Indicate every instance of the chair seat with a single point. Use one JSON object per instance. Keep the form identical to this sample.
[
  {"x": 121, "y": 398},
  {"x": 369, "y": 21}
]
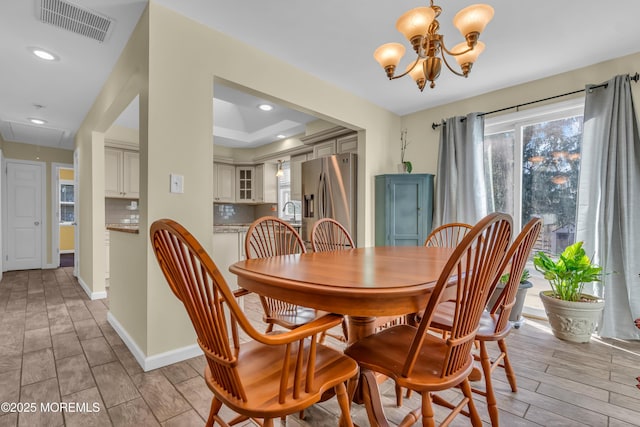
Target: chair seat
[
  {"x": 486, "y": 330},
  {"x": 291, "y": 319},
  {"x": 260, "y": 367},
  {"x": 386, "y": 352}
]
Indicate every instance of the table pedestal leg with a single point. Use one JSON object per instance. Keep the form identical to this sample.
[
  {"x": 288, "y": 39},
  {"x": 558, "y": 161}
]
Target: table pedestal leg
[
  {"x": 367, "y": 391},
  {"x": 360, "y": 327}
]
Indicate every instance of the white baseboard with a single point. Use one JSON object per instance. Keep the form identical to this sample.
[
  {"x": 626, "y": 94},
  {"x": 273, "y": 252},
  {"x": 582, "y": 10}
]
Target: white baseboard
[
  {"x": 92, "y": 295},
  {"x": 157, "y": 360}
]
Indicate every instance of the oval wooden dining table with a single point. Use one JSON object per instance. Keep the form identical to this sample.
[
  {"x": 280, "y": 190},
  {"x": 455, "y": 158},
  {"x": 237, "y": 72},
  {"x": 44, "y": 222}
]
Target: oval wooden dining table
[{"x": 362, "y": 283}]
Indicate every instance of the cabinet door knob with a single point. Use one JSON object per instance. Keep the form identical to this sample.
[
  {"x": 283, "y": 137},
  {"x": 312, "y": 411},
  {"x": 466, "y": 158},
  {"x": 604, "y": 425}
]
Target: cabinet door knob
[{"x": 36, "y": 223}]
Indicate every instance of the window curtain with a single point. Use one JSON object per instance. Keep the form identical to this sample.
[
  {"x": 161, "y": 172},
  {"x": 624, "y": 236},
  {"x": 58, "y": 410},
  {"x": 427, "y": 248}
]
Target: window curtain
[
  {"x": 608, "y": 218},
  {"x": 461, "y": 194}
]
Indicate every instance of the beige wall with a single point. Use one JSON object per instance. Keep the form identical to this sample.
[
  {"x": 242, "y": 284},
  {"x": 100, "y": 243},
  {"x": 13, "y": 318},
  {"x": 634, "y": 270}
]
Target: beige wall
[
  {"x": 128, "y": 79},
  {"x": 423, "y": 148},
  {"x": 180, "y": 123},
  {"x": 177, "y": 139},
  {"x": 37, "y": 153}
]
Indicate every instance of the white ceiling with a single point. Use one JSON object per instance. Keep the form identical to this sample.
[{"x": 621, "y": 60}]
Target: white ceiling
[{"x": 331, "y": 39}]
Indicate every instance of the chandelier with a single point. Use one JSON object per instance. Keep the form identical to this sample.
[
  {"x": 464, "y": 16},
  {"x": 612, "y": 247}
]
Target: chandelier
[{"x": 420, "y": 26}]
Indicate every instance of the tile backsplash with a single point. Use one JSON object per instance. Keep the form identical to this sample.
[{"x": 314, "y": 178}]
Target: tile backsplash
[
  {"x": 121, "y": 211},
  {"x": 239, "y": 213}
]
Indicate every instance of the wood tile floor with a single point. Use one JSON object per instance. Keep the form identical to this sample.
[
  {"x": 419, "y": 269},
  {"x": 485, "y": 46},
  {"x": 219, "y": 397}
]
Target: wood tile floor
[{"x": 57, "y": 347}]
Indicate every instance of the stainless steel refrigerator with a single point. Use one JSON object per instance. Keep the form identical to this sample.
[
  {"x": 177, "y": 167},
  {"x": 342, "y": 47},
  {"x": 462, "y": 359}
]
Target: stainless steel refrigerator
[{"x": 329, "y": 190}]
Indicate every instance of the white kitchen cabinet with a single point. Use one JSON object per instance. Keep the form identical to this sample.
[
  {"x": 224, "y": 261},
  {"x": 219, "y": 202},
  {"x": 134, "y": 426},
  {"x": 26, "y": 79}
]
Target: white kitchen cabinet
[
  {"x": 121, "y": 173},
  {"x": 296, "y": 174},
  {"x": 347, "y": 144},
  {"x": 323, "y": 149},
  {"x": 245, "y": 183},
  {"x": 266, "y": 183},
  {"x": 256, "y": 184},
  {"x": 224, "y": 188},
  {"x": 228, "y": 248}
]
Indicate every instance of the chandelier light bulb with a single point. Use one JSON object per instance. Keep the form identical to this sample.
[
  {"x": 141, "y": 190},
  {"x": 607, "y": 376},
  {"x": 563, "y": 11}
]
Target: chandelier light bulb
[
  {"x": 473, "y": 19},
  {"x": 415, "y": 22}
]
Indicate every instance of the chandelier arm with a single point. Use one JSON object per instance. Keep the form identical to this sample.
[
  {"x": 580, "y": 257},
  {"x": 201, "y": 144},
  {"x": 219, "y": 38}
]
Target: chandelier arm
[
  {"x": 408, "y": 70},
  {"x": 444, "y": 48},
  {"x": 444, "y": 59}
]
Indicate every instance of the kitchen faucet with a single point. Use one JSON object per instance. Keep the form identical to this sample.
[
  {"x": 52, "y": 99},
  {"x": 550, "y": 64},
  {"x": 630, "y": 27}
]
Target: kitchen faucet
[{"x": 284, "y": 209}]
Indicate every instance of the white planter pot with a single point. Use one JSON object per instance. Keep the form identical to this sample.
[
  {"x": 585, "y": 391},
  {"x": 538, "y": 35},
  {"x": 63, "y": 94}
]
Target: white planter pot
[{"x": 572, "y": 321}]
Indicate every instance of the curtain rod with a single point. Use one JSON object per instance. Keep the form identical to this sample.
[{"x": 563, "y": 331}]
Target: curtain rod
[{"x": 634, "y": 78}]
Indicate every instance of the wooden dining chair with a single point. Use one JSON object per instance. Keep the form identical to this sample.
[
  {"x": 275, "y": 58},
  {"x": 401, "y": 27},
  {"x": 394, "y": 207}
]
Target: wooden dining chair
[
  {"x": 448, "y": 235},
  {"x": 268, "y": 377},
  {"x": 494, "y": 322},
  {"x": 426, "y": 363},
  {"x": 270, "y": 236},
  {"x": 328, "y": 234}
]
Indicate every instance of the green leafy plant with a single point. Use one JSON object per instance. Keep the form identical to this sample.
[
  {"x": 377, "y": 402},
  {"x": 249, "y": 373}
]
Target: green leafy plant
[
  {"x": 523, "y": 278},
  {"x": 569, "y": 273}
]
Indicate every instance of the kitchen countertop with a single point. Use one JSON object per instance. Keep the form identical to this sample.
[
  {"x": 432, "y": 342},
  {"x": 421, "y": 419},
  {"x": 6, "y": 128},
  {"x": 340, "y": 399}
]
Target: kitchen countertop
[
  {"x": 124, "y": 228},
  {"x": 230, "y": 228},
  {"x": 242, "y": 228}
]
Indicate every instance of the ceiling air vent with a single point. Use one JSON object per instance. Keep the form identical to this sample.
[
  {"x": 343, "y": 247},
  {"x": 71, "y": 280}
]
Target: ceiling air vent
[{"x": 73, "y": 18}]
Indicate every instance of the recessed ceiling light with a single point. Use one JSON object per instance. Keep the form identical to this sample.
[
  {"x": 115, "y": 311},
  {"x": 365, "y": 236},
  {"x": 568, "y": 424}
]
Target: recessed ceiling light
[
  {"x": 265, "y": 107},
  {"x": 280, "y": 136},
  {"x": 43, "y": 54},
  {"x": 37, "y": 121}
]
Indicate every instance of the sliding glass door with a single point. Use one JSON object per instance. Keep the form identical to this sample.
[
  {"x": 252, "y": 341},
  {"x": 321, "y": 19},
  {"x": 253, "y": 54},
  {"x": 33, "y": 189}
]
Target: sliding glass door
[{"x": 532, "y": 163}]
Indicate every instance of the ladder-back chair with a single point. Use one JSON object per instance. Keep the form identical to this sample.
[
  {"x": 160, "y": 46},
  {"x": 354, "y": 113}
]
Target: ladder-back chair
[
  {"x": 268, "y": 377},
  {"x": 270, "y": 236},
  {"x": 426, "y": 363},
  {"x": 329, "y": 235},
  {"x": 448, "y": 235},
  {"x": 494, "y": 322}
]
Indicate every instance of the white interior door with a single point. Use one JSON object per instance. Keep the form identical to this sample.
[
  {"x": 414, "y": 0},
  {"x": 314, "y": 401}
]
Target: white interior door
[{"x": 24, "y": 215}]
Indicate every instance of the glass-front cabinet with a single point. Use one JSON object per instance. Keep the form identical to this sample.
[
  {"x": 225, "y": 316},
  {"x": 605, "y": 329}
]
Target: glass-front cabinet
[{"x": 245, "y": 184}]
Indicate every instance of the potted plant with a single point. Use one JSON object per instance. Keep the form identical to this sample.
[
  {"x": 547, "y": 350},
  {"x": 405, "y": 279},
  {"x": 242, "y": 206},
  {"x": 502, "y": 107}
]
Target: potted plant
[
  {"x": 405, "y": 166},
  {"x": 521, "y": 294},
  {"x": 573, "y": 315}
]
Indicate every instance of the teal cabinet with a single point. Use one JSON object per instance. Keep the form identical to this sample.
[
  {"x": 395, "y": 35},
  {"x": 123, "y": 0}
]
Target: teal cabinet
[{"x": 403, "y": 209}]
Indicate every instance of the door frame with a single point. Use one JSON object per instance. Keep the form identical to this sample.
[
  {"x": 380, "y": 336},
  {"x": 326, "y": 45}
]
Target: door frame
[
  {"x": 2, "y": 215},
  {"x": 55, "y": 205},
  {"x": 43, "y": 207},
  {"x": 76, "y": 199}
]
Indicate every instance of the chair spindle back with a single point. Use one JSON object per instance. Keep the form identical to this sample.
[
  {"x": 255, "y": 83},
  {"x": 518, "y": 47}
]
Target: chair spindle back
[
  {"x": 472, "y": 267},
  {"x": 329, "y": 235}
]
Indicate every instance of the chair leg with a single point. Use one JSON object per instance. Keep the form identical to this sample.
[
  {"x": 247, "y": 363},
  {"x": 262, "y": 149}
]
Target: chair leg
[
  {"x": 492, "y": 405},
  {"x": 343, "y": 401},
  {"x": 268, "y": 422},
  {"x": 345, "y": 330},
  {"x": 398, "y": 396},
  {"x": 511, "y": 375},
  {"x": 473, "y": 412},
  {"x": 322, "y": 337},
  {"x": 215, "y": 407},
  {"x": 427, "y": 410},
  {"x": 269, "y": 328}
]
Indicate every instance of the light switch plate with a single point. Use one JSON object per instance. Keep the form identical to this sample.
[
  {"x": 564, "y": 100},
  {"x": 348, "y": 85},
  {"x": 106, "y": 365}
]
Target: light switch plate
[{"x": 177, "y": 183}]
